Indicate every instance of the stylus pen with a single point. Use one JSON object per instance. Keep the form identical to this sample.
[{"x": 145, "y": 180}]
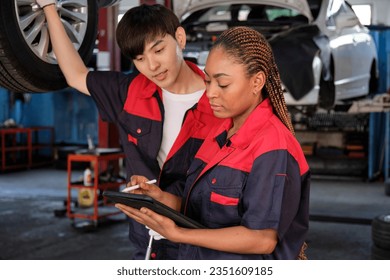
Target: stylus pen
[
  {"x": 129, "y": 189},
  {"x": 149, "y": 249}
]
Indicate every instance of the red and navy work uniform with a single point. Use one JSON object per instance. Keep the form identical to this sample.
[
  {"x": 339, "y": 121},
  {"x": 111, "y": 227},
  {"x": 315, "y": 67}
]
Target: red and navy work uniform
[
  {"x": 135, "y": 105},
  {"x": 259, "y": 178}
]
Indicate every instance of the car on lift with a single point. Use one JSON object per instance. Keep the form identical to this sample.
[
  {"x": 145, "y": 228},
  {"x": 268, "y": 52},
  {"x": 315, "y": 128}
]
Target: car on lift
[
  {"x": 324, "y": 54},
  {"x": 27, "y": 61}
]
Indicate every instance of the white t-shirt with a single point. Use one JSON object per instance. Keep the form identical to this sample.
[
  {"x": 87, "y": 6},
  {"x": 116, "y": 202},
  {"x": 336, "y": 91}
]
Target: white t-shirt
[{"x": 175, "y": 107}]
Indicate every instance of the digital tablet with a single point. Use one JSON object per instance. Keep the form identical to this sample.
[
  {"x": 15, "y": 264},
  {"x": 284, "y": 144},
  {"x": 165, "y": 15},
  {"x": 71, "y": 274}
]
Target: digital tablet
[{"x": 139, "y": 200}]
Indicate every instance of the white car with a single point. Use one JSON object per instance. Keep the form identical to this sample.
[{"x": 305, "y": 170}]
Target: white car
[{"x": 324, "y": 54}]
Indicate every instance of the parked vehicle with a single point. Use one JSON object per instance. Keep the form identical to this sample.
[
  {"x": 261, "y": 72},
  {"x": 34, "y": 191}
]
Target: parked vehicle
[
  {"x": 324, "y": 54},
  {"x": 27, "y": 62}
]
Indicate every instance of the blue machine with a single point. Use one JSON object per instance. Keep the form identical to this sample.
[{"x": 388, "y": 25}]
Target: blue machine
[{"x": 379, "y": 127}]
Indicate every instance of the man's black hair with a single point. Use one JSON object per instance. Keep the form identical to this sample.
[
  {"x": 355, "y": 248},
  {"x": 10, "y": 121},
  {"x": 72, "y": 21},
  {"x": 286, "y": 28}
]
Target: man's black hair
[{"x": 141, "y": 25}]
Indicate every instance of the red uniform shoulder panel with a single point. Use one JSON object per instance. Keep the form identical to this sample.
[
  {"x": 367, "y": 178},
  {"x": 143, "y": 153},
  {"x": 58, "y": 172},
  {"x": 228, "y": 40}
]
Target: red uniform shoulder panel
[{"x": 140, "y": 101}]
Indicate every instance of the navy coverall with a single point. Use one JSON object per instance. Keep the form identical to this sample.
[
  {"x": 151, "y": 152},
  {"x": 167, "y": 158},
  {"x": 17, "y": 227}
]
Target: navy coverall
[{"x": 259, "y": 178}]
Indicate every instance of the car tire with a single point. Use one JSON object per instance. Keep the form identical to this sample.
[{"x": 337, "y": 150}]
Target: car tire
[
  {"x": 379, "y": 253},
  {"x": 374, "y": 79},
  {"x": 327, "y": 94},
  {"x": 387, "y": 189},
  {"x": 380, "y": 231},
  {"x": 24, "y": 65}
]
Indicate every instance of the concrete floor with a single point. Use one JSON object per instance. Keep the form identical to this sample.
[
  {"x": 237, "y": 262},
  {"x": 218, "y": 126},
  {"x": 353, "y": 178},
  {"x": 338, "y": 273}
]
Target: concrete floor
[{"x": 341, "y": 212}]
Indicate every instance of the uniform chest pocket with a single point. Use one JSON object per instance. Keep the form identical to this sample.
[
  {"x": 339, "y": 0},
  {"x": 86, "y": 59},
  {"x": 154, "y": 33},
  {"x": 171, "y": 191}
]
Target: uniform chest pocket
[
  {"x": 136, "y": 127},
  {"x": 225, "y": 185},
  {"x": 223, "y": 208}
]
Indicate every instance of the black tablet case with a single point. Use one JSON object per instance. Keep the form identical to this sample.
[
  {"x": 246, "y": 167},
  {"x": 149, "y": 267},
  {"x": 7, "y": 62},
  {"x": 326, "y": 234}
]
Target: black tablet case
[{"x": 139, "y": 200}]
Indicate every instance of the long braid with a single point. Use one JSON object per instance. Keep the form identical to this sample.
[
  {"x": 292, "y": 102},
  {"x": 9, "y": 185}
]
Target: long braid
[{"x": 251, "y": 49}]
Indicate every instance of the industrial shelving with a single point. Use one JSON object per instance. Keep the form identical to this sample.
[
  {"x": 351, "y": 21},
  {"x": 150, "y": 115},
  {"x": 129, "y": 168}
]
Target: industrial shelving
[{"x": 26, "y": 147}]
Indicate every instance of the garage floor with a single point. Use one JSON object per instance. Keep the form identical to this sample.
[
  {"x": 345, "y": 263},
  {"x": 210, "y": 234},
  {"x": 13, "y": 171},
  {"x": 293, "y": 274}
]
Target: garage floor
[{"x": 341, "y": 213}]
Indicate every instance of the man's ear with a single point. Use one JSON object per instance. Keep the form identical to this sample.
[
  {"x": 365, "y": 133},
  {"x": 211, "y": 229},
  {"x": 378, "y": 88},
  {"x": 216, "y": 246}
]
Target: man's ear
[{"x": 180, "y": 36}]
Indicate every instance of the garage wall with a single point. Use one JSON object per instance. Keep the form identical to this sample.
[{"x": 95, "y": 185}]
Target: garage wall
[
  {"x": 75, "y": 116},
  {"x": 380, "y": 10},
  {"x": 72, "y": 114}
]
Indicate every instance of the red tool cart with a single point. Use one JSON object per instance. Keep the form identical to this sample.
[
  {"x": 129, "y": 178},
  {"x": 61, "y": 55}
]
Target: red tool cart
[{"x": 94, "y": 207}]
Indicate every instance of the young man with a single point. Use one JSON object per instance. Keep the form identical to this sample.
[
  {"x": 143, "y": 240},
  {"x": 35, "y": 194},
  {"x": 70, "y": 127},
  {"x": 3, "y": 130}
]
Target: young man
[{"x": 162, "y": 114}]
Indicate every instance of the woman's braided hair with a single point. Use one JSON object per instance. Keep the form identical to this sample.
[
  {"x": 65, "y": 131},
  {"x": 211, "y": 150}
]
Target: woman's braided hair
[{"x": 250, "y": 48}]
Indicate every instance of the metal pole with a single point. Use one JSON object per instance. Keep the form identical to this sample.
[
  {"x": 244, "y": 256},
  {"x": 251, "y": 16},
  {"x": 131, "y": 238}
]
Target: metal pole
[{"x": 149, "y": 249}]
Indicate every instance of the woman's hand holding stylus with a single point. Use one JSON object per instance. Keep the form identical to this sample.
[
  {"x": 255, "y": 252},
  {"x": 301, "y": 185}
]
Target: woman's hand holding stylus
[
  {"x": 147, "y": 187},
  {"x": 142, "y": 185}
]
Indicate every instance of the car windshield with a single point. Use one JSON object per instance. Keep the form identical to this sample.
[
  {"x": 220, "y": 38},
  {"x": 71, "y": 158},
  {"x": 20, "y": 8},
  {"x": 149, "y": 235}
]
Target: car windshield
[
  {"x": 206, "y": 23},
  {"x": 241, "y": 13}
]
